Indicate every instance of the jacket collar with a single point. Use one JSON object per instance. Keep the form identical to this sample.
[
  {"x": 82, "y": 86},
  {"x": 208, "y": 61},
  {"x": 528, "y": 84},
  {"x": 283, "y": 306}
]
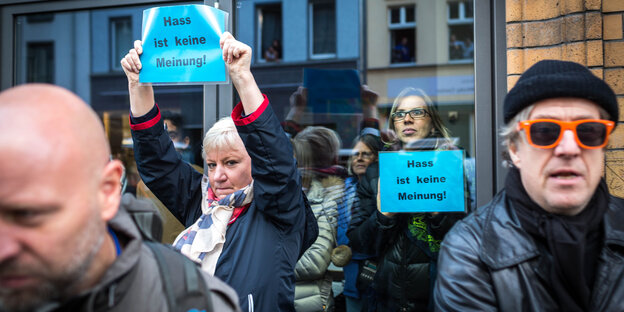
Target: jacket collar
[{"x": 506, "y": 243}]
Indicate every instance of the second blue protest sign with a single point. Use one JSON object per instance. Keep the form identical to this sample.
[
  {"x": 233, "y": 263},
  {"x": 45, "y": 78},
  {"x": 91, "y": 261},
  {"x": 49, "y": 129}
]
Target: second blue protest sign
[
  {"x": 181, "y": 45},
  {"x": 422, "y": 181}
]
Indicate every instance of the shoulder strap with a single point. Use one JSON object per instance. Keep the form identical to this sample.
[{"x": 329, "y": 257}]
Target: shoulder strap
[
  {"x": 145, "y": 216},
  {"x": 183, "y": 291}
]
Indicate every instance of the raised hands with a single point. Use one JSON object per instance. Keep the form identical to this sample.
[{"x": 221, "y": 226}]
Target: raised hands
[
  {"x": 131, "y": 63},
  {"x": 237, "y": 56},
  {"x": 141, "y": 97}
]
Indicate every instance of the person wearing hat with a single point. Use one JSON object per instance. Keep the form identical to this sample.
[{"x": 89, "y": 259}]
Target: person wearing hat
[{"x": 553, "y": 238}]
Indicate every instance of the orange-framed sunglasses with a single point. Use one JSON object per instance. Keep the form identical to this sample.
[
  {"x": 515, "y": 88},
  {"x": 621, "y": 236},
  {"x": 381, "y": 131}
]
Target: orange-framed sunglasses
[{"x": 547, "y": 133}]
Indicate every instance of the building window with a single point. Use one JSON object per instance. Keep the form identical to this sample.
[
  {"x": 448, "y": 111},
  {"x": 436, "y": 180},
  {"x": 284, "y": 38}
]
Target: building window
[
  {"x": 461, "y": 31},
  {"x": 322, "y": 29},
  {"x": 121, "y": 38},
  {"x": 270, "y": 32},
  {"x": 40, "y": 62},
  {"x": 402, "y": 25}
]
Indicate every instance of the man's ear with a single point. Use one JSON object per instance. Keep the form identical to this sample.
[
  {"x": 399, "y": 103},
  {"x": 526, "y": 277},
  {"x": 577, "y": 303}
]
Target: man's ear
[
  {"x": 513, "y": 154},
  {"x": 110, "y": 189}
]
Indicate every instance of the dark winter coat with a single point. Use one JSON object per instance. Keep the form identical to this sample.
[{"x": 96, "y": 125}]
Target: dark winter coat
[
  {"x": 263, "y": 245},
  {"x": 406, "y": 246},
  {"x": 488, "y": 262}
]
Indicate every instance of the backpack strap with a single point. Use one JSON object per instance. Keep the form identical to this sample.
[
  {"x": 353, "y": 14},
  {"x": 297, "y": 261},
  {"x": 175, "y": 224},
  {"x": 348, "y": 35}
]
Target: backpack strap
[
  {"x": 145, "y": 216},
  {"x": 183, "y": 291}
]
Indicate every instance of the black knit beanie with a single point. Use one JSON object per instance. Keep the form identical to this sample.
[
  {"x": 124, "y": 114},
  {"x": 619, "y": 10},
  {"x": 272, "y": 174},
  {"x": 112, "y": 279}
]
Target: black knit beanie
[{"x": 553, "y": 79}]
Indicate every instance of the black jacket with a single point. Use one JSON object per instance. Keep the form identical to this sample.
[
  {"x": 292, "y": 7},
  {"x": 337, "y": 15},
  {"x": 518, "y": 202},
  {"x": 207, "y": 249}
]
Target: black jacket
[
  {"x": 489, "y": 263},
  {"x": 406, "y": 265}
]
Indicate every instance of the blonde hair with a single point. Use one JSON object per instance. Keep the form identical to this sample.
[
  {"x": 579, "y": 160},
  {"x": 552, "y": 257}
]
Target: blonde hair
[{"x": 222, "y": 134}]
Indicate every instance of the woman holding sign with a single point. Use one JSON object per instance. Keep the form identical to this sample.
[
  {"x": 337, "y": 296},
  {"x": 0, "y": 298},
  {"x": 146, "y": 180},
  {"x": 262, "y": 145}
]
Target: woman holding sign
[
  {"x": 247, "y": 220},
  {"x": 406, "y": 244}
]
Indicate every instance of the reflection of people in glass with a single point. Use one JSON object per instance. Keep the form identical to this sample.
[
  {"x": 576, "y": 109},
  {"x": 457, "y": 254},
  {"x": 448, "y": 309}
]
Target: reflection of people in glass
[
  {"x": 406, "y": 244},
  {"x": 469, "y": 48},
  {"x": 366, "y": 147},
  {"x": 316, "y": 149},
  {"x": 274, "y": 52},
  {"x": 175, "y": 127},
  {"x": 456, "y": 48},
  {"x": 416, "y": 122},
  {"x": 364, "y": 154},
  {"x": 401, "y": 51}
]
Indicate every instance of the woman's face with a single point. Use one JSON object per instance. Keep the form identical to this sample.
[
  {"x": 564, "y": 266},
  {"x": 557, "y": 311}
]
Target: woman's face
[
  {"x": 229, "y": 169},
  {"x": 411, "y": 129},
  {"x": 362, "y": 157}
]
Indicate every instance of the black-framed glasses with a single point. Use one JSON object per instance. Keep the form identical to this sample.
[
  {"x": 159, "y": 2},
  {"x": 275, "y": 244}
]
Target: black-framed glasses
[
  {"x": 417, "y": 113},
  {"x": 364, "y": 155}
]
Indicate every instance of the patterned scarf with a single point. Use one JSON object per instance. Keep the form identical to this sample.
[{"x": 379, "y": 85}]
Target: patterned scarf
[{"x": 203, "y": 241}]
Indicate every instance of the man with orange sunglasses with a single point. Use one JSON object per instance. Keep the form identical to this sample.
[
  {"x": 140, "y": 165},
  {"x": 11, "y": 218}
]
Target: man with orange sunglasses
[{"x": 553, "y": 239}]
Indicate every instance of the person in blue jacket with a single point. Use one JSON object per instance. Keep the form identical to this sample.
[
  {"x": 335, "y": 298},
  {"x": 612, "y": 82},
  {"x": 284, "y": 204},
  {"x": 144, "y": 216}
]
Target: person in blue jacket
[{"x": 247, "y": 219}]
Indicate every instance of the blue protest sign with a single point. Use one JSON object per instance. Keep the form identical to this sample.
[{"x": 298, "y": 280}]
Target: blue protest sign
[
  {"x": 422, "y": 181},
  {"x": 335, "y": 91},
  {"x": 181, "y": 45}
]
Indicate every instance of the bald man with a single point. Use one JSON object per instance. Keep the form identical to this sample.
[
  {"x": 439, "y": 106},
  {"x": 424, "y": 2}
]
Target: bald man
[{"x": 66, "y": 241}]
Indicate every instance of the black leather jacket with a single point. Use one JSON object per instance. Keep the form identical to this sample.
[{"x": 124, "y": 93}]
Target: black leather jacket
[{"x": 488, "y": 263}]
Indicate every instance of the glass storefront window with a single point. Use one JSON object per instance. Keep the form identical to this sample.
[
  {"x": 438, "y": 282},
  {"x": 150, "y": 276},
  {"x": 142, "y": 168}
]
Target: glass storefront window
[{"x": 322, "y": 64}]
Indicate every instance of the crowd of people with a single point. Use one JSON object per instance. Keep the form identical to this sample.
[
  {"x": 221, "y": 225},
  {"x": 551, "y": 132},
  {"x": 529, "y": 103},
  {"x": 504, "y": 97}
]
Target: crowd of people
[{"x": 276, "y": 211}]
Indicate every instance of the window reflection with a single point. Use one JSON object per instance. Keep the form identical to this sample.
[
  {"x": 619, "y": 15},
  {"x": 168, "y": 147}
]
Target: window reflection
[
  {"x": 40, "y": 58},
  {"x": 121, "y": 34},
  {"x": 270, "y": 32},
  {"x": 460, "y": 21},
  {"x": 322, "y": 29},
  {"x": 403, "y": 34},
  {"x": 423, "y": 44}
]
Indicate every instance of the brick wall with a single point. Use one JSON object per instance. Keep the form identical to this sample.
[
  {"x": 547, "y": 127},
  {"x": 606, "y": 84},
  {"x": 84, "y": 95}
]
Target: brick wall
[{"x": 589, "y": 32}]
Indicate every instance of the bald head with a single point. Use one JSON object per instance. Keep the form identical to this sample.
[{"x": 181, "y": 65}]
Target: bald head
[
  {"x": 58, "y": 192},
  {"x": 50, "y": 124}
]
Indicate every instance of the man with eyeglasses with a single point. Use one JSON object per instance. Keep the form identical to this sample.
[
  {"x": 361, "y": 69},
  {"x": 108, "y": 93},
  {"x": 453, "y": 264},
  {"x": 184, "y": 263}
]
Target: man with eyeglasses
[{"x": 553, "y": 239}]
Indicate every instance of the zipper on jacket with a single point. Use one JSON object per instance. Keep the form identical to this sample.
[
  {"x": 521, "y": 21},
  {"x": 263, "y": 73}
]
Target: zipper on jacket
[{"x": 250, "y": 303}]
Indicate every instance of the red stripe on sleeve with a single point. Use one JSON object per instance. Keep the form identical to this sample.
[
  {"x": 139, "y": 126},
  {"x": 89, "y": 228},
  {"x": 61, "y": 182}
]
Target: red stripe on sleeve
[
  {"x": 237, "y": 113},
  {"x": 147, "y": 124}
]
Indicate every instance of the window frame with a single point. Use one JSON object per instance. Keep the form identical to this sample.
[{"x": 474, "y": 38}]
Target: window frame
[
  {"x": 462, "y": 19},
  {"x": 320, "y": 56},
  {"x": 259, "y": 23},
  {"x": 49, "y": 61},
  {"x": 402, "y": 25},
  {"x": 112, "y": 36}
]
